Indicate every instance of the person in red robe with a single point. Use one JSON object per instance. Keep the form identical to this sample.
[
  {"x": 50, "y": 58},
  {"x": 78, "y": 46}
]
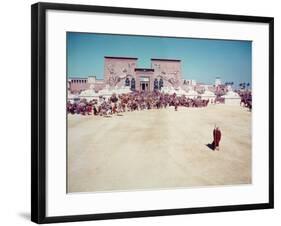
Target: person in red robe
[{"x": 217, "y": 138}]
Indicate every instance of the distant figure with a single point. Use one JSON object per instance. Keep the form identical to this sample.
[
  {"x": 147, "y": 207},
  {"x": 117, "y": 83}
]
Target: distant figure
[
  {"x": 176, "y": 105},
  {"x": 95, "y": 110},
  {"x": 217, "y": 138}
]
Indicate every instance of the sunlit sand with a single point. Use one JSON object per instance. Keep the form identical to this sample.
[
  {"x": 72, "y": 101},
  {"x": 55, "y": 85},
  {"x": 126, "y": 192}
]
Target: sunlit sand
[{"x": 159, "y": 149}]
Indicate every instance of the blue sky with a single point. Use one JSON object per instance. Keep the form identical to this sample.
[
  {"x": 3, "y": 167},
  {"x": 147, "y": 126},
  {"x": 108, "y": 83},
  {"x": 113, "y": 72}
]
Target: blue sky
[{"x": 202, "y": 59}]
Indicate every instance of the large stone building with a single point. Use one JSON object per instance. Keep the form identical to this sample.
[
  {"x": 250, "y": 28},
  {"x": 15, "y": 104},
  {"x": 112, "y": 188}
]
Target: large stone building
[{"x": 123, "y": 72}]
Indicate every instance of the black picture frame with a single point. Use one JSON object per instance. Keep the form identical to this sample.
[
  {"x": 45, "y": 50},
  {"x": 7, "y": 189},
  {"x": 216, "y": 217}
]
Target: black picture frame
[{"x": 38, "y": 111}]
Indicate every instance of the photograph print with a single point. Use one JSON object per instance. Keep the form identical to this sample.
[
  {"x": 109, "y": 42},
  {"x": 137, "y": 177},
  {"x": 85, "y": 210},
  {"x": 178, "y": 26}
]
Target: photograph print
[{"x": 154, "y": 112}]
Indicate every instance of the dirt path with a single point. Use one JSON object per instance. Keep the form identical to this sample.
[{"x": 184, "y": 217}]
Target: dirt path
[{"x": 159, "y": 149}]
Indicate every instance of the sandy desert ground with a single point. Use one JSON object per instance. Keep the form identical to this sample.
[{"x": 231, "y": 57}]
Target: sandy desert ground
[{"x": 159, "y": 149}]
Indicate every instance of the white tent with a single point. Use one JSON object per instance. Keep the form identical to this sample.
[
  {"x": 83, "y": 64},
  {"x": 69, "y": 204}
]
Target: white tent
[
  {"x": 105, "y": 92},
  {"x": 168, "y": 90},
  {"x": 122, "y": 90},
  {"x": 232, "y": 98},
  {"x": 71, "y": 97},
  {"x": 208, "y": 95},
  {"x": 180, "y": 92},
  {"x": 88, "y": 94},
  {"x": 192, "y": 94},
  {"x": 171, "y": 90}
]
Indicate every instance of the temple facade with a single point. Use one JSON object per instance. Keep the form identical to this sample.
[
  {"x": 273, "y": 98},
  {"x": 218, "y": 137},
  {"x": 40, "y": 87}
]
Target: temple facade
[{"x": 124, "y": 72}]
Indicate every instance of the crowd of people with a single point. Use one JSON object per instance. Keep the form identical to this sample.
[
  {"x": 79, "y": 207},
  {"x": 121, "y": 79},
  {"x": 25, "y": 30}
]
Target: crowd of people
[
  {"x": 246, "y": 100},
  {"x": 134, "y": 101}
]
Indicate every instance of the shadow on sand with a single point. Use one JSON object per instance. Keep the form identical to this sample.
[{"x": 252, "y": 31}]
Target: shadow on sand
[{"x": 210, "y": 146}]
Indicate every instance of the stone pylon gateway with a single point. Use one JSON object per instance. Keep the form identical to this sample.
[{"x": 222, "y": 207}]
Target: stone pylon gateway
[{"x": 124, "y": 72}]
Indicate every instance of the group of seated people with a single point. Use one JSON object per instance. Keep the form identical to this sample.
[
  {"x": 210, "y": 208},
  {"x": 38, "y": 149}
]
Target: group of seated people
[{"x": 134, "y": 101}]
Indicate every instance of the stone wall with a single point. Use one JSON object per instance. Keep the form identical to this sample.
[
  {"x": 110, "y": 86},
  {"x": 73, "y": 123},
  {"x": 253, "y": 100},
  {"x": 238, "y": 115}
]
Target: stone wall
[
  {"x": 117, "y": 69},
  {"x": 76, "y": 85},
  {"x": 168, "y": 70}
]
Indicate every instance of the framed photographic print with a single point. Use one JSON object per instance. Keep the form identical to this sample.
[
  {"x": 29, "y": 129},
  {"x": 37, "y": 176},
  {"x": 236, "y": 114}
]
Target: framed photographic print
[{"x": 141, "y": 112}]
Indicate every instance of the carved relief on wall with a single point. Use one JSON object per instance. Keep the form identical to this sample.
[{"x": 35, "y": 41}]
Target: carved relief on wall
[
  {"x": 118, "y": 72},
  {"x": 168, "y": 73}
]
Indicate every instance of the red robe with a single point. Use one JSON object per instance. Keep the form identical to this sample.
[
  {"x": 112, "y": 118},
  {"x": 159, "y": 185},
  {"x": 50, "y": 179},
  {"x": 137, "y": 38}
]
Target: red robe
[{"x": 217, "y": 137}]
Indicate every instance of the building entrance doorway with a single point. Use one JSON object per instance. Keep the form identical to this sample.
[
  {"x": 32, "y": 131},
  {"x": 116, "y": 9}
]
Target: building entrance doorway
[{"x": 144, "y": 86}]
